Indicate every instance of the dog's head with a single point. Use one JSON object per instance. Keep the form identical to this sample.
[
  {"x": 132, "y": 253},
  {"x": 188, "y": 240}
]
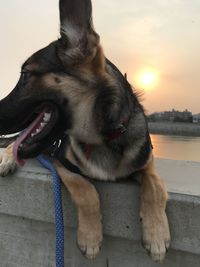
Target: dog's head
[{"x": 39, "y": 105}]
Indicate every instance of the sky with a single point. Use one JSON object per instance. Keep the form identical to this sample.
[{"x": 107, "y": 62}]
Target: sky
[{"x": 162, "y": 36}]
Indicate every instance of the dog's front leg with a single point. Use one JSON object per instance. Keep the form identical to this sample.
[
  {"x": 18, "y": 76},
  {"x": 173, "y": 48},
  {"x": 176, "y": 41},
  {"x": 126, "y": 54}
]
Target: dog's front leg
[
  {"x": 156, "y": 234},
  {"x": 7, "y": 162},
  {"x": 86, "y": 198}
]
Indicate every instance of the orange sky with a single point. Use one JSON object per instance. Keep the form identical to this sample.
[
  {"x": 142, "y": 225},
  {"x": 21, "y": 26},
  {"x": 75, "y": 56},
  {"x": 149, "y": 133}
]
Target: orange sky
[{"x": 159, "y": 34}]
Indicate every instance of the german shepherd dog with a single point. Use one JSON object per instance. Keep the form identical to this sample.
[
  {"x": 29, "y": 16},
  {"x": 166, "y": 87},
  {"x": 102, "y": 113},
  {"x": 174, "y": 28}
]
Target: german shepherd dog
[{"x": 70, "y": 91}]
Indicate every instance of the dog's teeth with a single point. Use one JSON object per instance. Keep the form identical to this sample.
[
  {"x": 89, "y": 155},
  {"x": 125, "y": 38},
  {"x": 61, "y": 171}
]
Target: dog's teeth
[
  {"x": 47, "y": 117},
  {"x": 43, "y": 124},
  {"x": 38, "y": 130},
  {"x": 32, "y": 134}
]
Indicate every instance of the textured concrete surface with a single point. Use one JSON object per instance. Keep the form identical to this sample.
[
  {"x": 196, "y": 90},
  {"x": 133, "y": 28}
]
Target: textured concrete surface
[
  {"x": 27, "y": 216},
  {"x": 29, "y": 243}
]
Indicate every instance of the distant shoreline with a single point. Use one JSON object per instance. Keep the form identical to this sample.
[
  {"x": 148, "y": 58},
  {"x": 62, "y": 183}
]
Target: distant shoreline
[{"x": 175, "y": 128}]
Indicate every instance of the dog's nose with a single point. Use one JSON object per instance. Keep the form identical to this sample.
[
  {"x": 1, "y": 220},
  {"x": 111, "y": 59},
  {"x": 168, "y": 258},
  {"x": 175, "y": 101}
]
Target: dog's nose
[{"x": 12, "y": 113}]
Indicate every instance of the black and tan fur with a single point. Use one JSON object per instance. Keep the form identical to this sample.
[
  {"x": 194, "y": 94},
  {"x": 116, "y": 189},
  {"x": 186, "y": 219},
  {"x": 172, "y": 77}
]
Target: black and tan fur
[{"x": 90, "y": 98}]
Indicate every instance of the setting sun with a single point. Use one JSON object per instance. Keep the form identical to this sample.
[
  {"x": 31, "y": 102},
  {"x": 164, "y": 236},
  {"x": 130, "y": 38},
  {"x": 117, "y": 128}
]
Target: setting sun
[{"x": 147, "y": 79}]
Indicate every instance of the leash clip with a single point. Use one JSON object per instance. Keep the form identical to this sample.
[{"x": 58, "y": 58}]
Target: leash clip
[
  {"x": 122, "y": 129},
  {"x": 55, "y": 147}
]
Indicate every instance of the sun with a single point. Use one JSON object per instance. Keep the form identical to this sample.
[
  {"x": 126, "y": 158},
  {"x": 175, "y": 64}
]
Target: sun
[{"x": 147, "y": 79}]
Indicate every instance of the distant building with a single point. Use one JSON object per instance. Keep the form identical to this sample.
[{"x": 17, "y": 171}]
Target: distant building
[
  {"x": 196, "y": 118},
  {"x": 172, "y": 116},
  {"x": 178, "y": 116},
  {"x": 157, "y": 116}
]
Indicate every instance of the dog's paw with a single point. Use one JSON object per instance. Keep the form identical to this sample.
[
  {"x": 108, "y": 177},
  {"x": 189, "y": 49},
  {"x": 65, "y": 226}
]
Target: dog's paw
[
  {"x": 7, "y": 165},
  {"x": 90, "y": 239},
  {"x": 156, "y": 236}
]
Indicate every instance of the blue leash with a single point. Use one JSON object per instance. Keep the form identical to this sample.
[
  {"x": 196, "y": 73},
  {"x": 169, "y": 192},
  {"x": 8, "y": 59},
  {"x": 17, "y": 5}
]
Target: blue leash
[{"x": 58, "y": 211}]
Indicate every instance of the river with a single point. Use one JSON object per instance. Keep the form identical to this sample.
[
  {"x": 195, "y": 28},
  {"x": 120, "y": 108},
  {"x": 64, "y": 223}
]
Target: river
[{"x": 176, "y": 147}]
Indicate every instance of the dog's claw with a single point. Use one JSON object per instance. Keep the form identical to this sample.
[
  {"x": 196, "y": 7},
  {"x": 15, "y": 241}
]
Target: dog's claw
[
  {"x": 90, "y": 252},
  {"x": 156, "y": 240},
  {"x": 167, "y": 244},
  {"x": 90, "y": 243}
]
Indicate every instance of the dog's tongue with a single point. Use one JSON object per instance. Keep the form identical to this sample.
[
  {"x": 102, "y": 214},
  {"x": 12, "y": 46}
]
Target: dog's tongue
[{"x": 24, "y": 135}]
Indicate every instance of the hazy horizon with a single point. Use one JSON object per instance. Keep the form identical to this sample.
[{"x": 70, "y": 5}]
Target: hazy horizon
[{"x": 136, "y": 35}]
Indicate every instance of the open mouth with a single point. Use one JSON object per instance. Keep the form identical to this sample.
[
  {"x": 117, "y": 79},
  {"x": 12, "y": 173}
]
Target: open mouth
[{"x": 31, "y": 141}]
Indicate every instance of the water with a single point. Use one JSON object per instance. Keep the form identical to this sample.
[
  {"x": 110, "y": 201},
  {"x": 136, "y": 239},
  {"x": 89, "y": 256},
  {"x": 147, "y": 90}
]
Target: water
[{"x": 176, "y": 147}]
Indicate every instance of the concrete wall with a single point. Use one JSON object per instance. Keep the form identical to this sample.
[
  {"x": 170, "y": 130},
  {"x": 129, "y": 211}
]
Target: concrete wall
[{"x": 27, "y": 217}]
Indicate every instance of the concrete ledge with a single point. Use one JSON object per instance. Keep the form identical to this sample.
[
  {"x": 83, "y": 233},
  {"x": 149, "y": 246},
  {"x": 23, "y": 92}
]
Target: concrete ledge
[
  {"x": 32, "y": 244},
  {"x": 29, "y": 194}
]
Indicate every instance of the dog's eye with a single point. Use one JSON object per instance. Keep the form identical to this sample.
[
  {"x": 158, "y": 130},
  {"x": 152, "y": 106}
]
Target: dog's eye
[{"x": 24, "y": 77}]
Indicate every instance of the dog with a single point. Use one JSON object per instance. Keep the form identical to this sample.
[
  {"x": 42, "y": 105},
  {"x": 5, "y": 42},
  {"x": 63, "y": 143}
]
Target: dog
[{"x": 71, "y": 101}]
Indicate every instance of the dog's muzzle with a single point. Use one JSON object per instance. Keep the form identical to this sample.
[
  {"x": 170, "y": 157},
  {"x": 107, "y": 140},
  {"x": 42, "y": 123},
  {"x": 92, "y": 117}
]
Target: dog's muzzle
[{"x": 40, "y": 120}]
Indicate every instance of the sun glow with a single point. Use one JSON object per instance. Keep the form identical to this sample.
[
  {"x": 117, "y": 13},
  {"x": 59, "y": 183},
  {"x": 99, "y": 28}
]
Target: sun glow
[{"x": 147, "y": 79}]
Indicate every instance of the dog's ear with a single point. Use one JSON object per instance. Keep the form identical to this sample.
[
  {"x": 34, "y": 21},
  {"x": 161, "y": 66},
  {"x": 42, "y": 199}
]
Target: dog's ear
[
  {"x": 78, "y": 13},
  {"x": 79, "y": 42}
]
